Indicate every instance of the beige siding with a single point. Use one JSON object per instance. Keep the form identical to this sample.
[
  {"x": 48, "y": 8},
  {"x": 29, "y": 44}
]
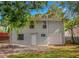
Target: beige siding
[
  {"x": 55, "y": 32},
  {"x": 27, "y": 35}
]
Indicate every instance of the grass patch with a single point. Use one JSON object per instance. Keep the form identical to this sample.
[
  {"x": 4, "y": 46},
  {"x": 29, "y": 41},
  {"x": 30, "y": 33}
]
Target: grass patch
[
  {"x": 42, "y": 55},
  {"x": 52, "y": 53}
]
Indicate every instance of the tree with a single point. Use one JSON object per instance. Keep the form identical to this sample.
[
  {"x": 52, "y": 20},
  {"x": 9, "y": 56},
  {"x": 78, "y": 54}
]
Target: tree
[
  {"x": 17, "y": 14},
  {"x": 55, "y": 11},
  {"x": 70, "y": 25},
  {"x": 71, "y": 12},
  {"x": 71, "y": 8}
]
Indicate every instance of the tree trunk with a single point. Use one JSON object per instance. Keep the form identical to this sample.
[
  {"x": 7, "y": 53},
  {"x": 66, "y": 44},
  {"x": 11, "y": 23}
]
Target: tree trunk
[{"x": 72, "y": 36}]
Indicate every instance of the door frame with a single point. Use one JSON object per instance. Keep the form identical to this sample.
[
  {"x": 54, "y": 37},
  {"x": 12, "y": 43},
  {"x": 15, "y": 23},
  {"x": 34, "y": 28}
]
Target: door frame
[{"x": 32, "y": 41}]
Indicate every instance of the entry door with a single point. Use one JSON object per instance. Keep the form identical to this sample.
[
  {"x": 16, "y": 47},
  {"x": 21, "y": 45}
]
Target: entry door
[{"x": 33, "y": 39}]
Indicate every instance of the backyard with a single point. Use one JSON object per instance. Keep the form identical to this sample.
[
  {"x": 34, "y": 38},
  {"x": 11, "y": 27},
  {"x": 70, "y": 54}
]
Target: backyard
[
  {"x": 17, "y": 17},
  {"x": 68, "y": 51}
]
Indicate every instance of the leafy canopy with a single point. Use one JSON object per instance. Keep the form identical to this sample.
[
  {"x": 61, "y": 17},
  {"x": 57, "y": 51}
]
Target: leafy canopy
[
  {"x": 16, "y": 14},
  {"x": 72, "y": 23}
]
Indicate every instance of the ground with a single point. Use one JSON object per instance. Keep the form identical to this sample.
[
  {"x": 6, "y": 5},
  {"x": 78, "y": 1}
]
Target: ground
[{"x": 15, "y": 51}]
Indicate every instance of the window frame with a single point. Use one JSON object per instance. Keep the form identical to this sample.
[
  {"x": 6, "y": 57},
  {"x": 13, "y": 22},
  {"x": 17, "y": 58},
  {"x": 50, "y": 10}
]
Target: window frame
[
  {"x": 20, "y": 37},
  {"x": 43, "y": 35},
  {"x": 31, "y": 26},
  {"x": 44, "y": 25}
]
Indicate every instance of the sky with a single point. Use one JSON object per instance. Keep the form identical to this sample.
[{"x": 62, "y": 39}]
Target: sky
[{"x": 42, "y": 11}]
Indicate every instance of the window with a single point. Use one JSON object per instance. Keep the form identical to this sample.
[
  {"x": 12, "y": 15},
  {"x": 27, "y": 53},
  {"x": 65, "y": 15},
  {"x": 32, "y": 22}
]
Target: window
[
  {"x": 43, "y": 35},
  {"x": 32, "y": 24},
  {"x": 20, "y": 37},
  {"x": 44, "y": 24}
]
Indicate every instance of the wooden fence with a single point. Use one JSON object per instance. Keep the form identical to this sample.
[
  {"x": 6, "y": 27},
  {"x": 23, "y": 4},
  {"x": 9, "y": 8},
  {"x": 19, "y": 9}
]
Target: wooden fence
[
  {"x": 69, "y": 39},
  {"x": 4, "y": 37}
]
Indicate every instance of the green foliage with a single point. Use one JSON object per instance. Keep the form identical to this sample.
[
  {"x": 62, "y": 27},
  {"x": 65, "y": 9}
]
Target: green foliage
[
  {"x": 33, "y": 55},
  {"x": 24, "y": 55},
  {"x": 36, "y": 4},
  {"x": 72, "y": 23},
  {"x": 58, "y": 11},
  {"x": 71, "y": 8},
  {"x": 16, "y": 14},
  {"x": 55, "y": 11}
]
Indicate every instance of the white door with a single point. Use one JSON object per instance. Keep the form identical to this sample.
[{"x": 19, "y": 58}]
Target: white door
[{"x": 33, "y": 39}]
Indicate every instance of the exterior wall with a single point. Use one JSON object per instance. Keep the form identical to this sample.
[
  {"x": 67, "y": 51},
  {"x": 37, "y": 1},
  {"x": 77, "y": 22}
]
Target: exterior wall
[
  {"x": 55, "y": 33},
  {"x": 38, "y": 30}
]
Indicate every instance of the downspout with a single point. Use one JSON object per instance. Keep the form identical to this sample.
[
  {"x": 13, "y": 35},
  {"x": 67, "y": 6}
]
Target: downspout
[
  {"x": 10, "y": 34},
  {"x": 47, "y": 29},
  {"x": 10, "y": 38},
  {"x": 63, "y": 36}
]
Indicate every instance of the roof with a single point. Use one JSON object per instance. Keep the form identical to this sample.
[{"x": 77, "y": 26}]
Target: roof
[{"x": 49, "y": 17}]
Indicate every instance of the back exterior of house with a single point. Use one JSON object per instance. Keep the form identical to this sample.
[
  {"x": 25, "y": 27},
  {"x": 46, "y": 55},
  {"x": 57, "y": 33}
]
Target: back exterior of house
[{"x": 43, "y": 32}]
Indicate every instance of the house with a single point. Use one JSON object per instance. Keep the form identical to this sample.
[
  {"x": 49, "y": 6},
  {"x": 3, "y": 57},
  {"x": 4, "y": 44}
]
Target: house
[{"x": 46, "y": 31}]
